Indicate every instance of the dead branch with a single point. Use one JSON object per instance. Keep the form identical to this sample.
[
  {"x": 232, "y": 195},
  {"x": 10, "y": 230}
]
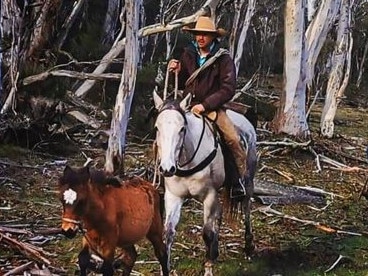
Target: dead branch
[
  {"x": 19, "y": 270},
  {"x": 268, "y": 211},
  {"x": 285, "y": 142},
  {"x": 30, "y": 251},
  {"x": 5, "y": 229},
  {"x": 336, "y": 262},
  {"x": 70, "y": 74}
]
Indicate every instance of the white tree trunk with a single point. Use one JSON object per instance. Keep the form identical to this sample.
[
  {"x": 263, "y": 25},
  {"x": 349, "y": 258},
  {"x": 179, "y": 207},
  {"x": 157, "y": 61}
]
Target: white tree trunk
[
  {"x": 339, "y": 75},
  {"x": 238, "y": 8},
  {"x": 148, "y": 30},
  {"x": 243, "y": 33},
  {"x": 291, "y": 116},
  {"x": 311, "y": 9},
  {"x": 317, "y": 32},
  {"x": 120, "y": 116}
]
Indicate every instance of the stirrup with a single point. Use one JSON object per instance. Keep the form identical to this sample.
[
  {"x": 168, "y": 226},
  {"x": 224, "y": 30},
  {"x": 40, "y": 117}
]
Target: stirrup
[{"x": 239, "y": 190}]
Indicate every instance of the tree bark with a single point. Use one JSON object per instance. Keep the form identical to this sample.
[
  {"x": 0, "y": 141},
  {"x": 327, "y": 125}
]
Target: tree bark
[
  {"x": 120, "y": 116},
  {"x": 340, "y": 72},
  {"x": 317, "y": 32},
  {"x": 243, "y": 34},
  {"x": 291, "y": 115}
]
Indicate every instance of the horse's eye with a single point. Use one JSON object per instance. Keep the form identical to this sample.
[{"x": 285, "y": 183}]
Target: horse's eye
[{"x": 182, "y": 129}]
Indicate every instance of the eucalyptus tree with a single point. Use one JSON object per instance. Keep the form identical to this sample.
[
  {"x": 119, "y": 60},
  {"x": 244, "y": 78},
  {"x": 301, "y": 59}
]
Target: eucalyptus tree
[
  {"x": 120, "y": 116},
  {"x": 291, "y": 114},
  {"x": 340, "y": 69}
]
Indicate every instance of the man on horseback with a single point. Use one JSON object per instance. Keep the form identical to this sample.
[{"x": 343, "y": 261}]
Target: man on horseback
[{"x": 208, "y": 72}]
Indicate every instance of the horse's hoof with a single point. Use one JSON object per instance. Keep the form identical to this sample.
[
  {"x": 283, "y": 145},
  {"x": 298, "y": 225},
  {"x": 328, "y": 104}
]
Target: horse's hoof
[{"x": 208, "y": 268}]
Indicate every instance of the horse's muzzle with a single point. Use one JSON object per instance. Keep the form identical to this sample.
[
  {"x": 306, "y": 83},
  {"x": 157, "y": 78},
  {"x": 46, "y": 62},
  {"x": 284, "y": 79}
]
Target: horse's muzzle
[
  {"x": 168, "y": 173},
  {"x": 69, "y": 227},
  {"x": 70, "y": 233}
]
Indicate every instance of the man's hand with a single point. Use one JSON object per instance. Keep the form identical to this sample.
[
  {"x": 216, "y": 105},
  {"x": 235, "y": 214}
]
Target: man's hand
[
  {"x": 198, "y": 109},
  {"x": 174, "y": 66}
]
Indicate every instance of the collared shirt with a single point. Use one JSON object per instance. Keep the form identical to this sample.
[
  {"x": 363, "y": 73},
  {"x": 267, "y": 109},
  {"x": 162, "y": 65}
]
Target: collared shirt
[{"x": 202, "y": 59}]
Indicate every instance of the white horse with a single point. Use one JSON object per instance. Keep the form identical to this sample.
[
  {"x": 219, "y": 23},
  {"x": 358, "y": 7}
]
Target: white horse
[{"x": 192, "y": 163}]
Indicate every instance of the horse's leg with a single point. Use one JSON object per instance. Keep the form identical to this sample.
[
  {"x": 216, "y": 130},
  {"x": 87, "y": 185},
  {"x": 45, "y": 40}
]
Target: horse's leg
[
  {"x": 84, "y": 258},
  {"x": 249, "y": 245},
  {"x": 128, "y": 258},
  {"x": 212, "y": 218},
  {"x": 173, "y": 205},
  {"x": 155, "y": 234}
]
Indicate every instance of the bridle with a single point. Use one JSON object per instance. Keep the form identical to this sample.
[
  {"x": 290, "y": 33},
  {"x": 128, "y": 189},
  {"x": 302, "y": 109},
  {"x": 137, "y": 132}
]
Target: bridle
[{"x": 205, "y": 162}]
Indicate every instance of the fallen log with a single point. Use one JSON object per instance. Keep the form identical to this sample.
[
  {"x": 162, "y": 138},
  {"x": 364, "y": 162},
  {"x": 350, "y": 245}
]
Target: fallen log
[{"x": 268, "y": 192}]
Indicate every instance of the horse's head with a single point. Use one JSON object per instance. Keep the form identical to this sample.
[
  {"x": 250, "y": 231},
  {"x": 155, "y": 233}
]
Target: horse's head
[
  {"x": 170, "y": 132},
  {"x": 73, "y": 192}
]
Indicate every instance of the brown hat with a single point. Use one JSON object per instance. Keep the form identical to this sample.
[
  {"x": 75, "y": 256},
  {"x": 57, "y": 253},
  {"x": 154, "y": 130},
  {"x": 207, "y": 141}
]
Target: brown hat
[{"x": 205, "y": 25}]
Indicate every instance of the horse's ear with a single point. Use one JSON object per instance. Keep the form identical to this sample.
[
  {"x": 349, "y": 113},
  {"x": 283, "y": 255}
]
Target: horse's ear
[
  {"x": 157, "y": 100},
  {"x": 184, "y": 104},
  {"x": 86, "y": 170},
  {"x": 67, "y": 170}
]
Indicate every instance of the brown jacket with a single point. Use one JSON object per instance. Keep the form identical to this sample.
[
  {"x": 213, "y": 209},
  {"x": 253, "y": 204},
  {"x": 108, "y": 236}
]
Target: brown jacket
[{"x": 215, "y": 85}]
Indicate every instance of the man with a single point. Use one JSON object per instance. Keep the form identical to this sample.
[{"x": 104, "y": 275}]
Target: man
[{"x": 213, "y": 86}]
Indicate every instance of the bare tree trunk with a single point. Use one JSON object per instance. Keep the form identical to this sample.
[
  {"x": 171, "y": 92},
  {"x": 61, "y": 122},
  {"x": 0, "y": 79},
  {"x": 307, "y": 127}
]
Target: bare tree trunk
[
  {"x": 11, "y": 24},
  {"x": 152, "y": 29},
  {"x": 120, "y": 117},
  {"x": 339, "y": 75},
  {"x": 311, "y": 9},
  {"x": 63, "y": 33},
  {"x": 238, "y": 7},
  {"x": 361, "y": 65},
  {"x": 291, "y": 115},
  {"x": 44, "y": 14},
  {"x": 317, "y": 32},
  {"x": 243, "y": 33},
  {"x": 111, "y": 20}
]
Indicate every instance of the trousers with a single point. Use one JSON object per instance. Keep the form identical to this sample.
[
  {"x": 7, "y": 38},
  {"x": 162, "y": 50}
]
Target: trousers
[{"x": 232, "y": 140}]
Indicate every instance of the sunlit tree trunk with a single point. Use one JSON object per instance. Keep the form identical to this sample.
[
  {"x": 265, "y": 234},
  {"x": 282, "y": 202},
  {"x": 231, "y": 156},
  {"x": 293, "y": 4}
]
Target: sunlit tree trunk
[
  {"x": 311, "y": 9},
  {"x": 243, "y": 33},
  {"x": 291, "y": 115},
  {"x": 120, "y": 116},
  {"x": 317, "y": 32},
  {"x": 340, "y": 70}
]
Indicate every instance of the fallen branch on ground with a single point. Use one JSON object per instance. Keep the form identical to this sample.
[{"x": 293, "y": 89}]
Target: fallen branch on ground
[
  {"x": 28, "y": 250},
  {"x": 268, "y": 211}
]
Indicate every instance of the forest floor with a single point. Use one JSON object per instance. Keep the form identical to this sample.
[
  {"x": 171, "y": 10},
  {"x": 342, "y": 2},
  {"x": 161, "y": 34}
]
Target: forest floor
[{"x": 326, "y": 240}]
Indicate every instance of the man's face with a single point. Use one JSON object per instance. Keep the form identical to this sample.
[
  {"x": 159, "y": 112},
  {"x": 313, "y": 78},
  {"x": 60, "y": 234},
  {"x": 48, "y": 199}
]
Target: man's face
[{"x": 204, "y": 39}]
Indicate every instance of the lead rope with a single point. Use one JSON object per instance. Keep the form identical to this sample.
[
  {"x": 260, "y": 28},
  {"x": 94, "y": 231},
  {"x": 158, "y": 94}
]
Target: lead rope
[{"x": 167, "y": 84}]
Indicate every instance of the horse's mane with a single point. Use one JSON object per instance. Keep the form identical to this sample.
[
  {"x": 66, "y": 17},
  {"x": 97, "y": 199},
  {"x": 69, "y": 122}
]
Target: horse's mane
[{"x": 101, "y": 178}]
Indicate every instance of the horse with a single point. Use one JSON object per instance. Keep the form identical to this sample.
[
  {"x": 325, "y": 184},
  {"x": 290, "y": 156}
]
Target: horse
[
  {"x": 110, "y": 213},
  {"x": 192, "y": 164}
]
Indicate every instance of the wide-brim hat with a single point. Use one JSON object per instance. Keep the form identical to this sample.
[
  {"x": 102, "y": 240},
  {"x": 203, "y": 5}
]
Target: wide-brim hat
[{"x": 205, "y": 24}]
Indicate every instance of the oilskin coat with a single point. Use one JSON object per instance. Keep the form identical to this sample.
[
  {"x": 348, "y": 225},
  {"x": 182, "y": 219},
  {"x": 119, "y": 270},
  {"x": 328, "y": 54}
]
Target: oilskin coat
[{"x": 213, "y": 86}]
